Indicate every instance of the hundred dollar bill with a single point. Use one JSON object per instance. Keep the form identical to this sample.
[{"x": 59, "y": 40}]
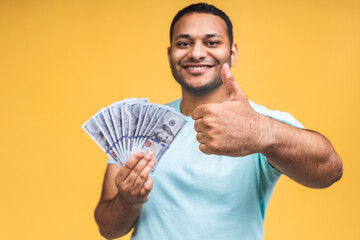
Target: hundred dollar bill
[
  {"x": 133, "y": 121},
  {"x": 115, "y": 113},
  {"x": 110, "y": 124},
  {"x": 142, "y": 114},
  {"x": 92, "y": 129},
  {"x": 125, "y": 117},
  {"x": 127, "y": 123},
  {"x": 135, "y": 111},
  {"x": 150, "y": 121},
  {"x": 145, "y": 123},
  {"x": 101, "y": 122},
  {"x": 159, "y": 113},
  {"x": 163, "y": 134}
]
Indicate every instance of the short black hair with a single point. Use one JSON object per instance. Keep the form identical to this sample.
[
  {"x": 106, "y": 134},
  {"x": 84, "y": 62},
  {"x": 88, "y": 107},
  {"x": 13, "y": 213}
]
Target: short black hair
[{"x": 203, "y": 8}]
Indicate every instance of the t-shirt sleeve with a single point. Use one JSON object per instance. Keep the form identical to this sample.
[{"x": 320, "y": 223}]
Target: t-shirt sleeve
[
  {"x": 277, "y": 115},
  {"x": 111, "y": 161},
  {"x": 268, "y": 176},
  {"x": 268, "y": 172}
]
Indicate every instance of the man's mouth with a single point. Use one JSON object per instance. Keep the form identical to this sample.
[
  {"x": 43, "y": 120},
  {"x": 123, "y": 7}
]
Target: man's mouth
[{"x": 197, "y": 69}]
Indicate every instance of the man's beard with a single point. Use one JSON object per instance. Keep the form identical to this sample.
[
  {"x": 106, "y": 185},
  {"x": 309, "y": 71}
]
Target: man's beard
[{"x": 202, "y": 90}]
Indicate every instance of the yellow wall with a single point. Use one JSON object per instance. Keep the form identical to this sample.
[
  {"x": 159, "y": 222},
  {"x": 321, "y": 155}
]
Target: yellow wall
[{"x": 61, "y": 61}]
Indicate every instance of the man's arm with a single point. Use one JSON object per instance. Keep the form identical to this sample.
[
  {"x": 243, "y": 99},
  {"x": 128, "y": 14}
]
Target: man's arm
[
  {"x": 124, "y": 192},
  {"x": 303, "y": 155},
  {"x": 233, "y": 128}
]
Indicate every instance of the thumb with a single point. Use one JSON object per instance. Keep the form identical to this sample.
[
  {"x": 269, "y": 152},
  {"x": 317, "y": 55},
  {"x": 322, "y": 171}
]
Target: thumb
[{"x": 233, "y": 89}]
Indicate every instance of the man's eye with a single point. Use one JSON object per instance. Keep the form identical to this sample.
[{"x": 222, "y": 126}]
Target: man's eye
[
  {"x": 212, "y": 43},
  {"x": 183, "y": 44}
]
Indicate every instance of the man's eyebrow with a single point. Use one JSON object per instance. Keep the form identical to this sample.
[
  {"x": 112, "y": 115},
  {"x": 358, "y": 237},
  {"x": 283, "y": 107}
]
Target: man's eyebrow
[
  {"x": 209, "y": 35},
  {"x": 182, "y": 36}
]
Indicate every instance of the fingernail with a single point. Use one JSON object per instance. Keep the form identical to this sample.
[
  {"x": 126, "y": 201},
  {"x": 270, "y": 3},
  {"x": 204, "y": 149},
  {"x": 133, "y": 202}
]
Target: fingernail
[
  {"x": 140, "y": 153},
  {"x": 227, "y": 67},
  {"x": 149, "y": 155}
]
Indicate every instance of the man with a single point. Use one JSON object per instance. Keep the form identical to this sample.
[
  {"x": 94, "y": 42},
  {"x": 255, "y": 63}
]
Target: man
[{"x": 217, "y": 177}]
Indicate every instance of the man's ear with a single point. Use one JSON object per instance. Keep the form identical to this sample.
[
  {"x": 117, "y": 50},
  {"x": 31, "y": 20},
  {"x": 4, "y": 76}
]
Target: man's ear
[
  {"x": 234, "y": 54},
  {"x": 168, "y": 53}
]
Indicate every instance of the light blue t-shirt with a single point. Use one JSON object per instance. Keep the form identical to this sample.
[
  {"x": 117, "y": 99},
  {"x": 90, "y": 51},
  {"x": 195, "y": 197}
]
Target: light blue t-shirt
[{"x": 198, "y": 196}]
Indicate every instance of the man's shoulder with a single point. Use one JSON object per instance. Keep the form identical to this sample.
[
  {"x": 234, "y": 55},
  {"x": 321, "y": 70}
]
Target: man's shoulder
[
  {"x": 175, "y": 104},
  {"x": 276, "y": 114}
]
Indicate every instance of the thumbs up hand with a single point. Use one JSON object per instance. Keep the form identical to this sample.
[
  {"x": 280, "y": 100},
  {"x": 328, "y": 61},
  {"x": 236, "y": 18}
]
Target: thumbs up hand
[
  {"x": 234, "y": 92},
  {"x": 232, "y": 127}
]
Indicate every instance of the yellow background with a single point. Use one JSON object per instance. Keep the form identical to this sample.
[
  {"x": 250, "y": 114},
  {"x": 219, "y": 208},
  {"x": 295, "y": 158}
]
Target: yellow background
[{"x": 61, "y": 61}]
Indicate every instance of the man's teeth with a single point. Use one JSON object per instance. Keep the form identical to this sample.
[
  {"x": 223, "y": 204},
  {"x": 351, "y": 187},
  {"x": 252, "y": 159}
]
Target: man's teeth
[{"x": 198, "y": 67}]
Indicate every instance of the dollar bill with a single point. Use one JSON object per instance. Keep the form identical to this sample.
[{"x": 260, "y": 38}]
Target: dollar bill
[
  {"x": 127, "y": 123},
  {"x": 109, "y": 122},
  {"x": 115, "y": 113},
  {"x": 155, "y": 118},
  {"x": 125, "y": 114},
  {"x": 126, "y": 126},
  {"x": 164, "y": 134},
  {"x": 101, "y": 122},
  {"x": 145, "y": 123},
  {"x": 138, "y": 132},
  {"x": 135, "y": 111},
  {"x": 93, "y": 130}
]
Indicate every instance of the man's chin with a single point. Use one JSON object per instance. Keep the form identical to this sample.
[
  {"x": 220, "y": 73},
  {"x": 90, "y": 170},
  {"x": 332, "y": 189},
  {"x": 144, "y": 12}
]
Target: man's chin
[{"x": 202, "y": 90}]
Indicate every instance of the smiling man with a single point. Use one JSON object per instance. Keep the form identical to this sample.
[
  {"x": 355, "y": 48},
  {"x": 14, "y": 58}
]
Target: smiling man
[
  {"x": 216, "y": 179},
  {"x": 199, "y": 50}
]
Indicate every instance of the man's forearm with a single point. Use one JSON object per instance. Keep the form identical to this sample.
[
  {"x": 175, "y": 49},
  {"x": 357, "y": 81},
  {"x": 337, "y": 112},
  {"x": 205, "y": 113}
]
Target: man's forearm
[
  {"x": 116, "y": 218},
  {"x": 303, "y": 155}
]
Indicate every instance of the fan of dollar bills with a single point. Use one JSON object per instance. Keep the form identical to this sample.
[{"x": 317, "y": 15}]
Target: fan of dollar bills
[{"x": 127, "y": 126}]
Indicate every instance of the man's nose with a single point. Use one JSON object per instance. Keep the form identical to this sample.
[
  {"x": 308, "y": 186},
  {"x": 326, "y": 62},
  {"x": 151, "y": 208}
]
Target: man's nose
[{"x": 197, "y": 51}]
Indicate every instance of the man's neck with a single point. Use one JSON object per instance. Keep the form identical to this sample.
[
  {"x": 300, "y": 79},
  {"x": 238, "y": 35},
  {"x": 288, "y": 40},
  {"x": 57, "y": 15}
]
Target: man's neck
[{"x": 190, "y": 101}]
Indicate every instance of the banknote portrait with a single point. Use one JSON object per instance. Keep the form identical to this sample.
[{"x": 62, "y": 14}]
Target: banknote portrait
[{"x": 163, "y": 134}]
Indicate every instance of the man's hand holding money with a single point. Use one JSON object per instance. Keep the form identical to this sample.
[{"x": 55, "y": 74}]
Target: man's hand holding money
[{"x": 133, "y": 181}]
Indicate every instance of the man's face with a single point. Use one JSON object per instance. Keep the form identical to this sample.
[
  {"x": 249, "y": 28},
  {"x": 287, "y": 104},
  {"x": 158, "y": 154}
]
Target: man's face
[{"x": 200, "y": 46}]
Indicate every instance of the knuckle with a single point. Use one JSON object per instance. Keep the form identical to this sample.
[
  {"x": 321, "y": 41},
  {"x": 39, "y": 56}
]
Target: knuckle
[
  {"x": 198, "y": 136},
  {"x": 212, "y": 137},
  {"x": 203, "y": 148},
  {"x": 214, "y": 146},
  {"x": 196, "y": 125},
  {"x": 136, "y": 184},
  {"x": 118, "y": 181},
  {"x": 144, "y": 197},
  {"x": 207, "y": 122},
  {"x": 136, "y": 171},
  {"x": 128, "y": 165},
  {"x": 119, "y": 175},
  {"x": 125, "y": 188},
  {"x": 135, "y": 194},
  {"x": 207, "y": 109},
  {"x": 212, "y": 108},
  {"x": 142, "y": 177},
  {"x": 147, "y": 189}
]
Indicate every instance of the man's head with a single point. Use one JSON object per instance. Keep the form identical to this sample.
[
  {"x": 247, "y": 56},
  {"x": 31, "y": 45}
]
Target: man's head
[
  {"x": 203, "y": 8},
  {"x": 201, "y": 42}
]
